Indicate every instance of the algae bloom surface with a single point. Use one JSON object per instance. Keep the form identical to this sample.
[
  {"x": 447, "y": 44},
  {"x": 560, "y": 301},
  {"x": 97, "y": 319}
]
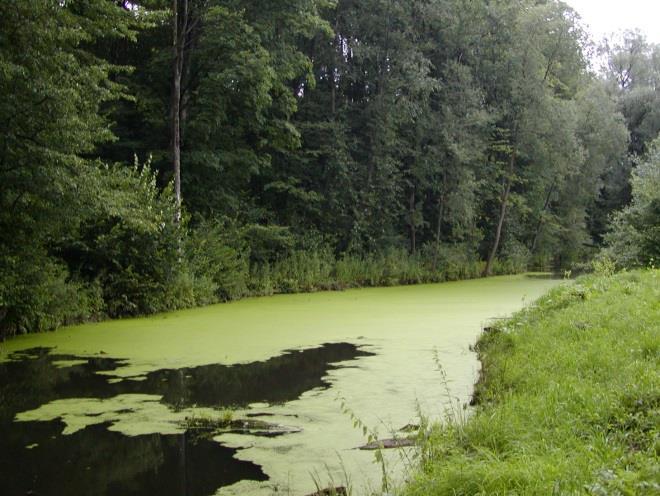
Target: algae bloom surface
[{"x": 106, "y": 408}]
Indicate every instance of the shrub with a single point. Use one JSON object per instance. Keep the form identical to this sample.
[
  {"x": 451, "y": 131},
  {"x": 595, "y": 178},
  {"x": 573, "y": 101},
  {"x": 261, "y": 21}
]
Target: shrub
[
  {"x": 128, "y": 242},
  {"x": 36, "y": 294},
  {"x": 267, "y": 243},
  {"x": 634, "y": 237},
  {"x": 218, "y": 261}
]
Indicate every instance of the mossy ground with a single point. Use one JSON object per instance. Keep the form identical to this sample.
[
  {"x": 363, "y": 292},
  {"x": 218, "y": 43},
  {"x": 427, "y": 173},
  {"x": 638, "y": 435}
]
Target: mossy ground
[{"x": 568, "y": 403}]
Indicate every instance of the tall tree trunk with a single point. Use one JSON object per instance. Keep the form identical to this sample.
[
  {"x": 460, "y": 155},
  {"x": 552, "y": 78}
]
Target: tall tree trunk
[
  {"x": 333, "y": 94},
  {"x": 438, "y": 229},
  {"x": 383, "y": 62},
  {"x": 333, "y": 82},
  {"x": 179, "y": 28},
  {"x": 539, "y": 224},
  {"x": 413, "y": 230},
  {"x": 500, "y": 222},
  {"x": 382, "y": 78},
  {"x": 190, "y": 40}
]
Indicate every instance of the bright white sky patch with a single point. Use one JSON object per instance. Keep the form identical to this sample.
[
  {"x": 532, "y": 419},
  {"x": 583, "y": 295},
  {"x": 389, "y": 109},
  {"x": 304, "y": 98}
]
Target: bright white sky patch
[{"x": 604, "y": 17}]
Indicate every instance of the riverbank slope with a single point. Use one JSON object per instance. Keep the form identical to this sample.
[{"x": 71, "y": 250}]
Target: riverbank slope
[{"x": 568, "y": 401}]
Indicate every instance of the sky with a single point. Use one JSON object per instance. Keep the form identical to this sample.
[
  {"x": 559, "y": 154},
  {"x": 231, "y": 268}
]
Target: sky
[{"x": 606, "y": 16}]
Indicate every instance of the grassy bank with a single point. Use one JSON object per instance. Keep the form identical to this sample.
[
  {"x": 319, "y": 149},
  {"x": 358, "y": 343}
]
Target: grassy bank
[{"x": 568, "y": 402}]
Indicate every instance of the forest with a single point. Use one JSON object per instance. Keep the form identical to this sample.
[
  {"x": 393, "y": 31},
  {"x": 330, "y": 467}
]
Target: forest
[{"x": 158, "y": 155}]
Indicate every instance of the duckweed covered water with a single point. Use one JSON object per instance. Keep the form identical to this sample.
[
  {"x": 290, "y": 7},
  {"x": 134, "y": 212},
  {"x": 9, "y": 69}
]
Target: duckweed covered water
[{"x": 110, "y": 402}]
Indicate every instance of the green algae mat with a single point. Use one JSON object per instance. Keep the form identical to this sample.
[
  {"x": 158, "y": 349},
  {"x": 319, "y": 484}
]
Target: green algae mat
[{"x": 245, "y": 397}]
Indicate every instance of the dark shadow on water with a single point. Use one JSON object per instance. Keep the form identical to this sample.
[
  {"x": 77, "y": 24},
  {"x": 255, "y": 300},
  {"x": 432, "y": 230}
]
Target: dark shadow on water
[
  {"x": 98, "y": 461},
  {"x": 278, "y": 380},
  {"x": 33, "y": 378}
]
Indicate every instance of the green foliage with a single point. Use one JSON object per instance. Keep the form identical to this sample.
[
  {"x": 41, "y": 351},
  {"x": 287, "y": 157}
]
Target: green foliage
[
  {"x": 567, "y": 402},
  {"x": 51, "y": 118},
  {"x": 218, "y": 260},
  {"x": 603, "y": 266},
  {"x": 268, "y": 243},
  {"x": 37, "y": 295},
  {"x": 350, "y": 143},
  {"x": 129, "y": 242},
  {"x": 634, "y": 239},
  {"x": 319, "y": 269},
  {"x": 303, "y": 271},
  {"x": 633, "y": 72}
]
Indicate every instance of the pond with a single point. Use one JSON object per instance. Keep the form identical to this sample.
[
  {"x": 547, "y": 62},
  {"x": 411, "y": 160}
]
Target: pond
[{"x": 245, "y": 397}]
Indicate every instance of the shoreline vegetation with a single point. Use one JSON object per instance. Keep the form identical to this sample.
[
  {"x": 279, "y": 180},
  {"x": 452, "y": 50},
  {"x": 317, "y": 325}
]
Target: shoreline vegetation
[
  {"x": 203, "y": 279},
  {"x": 567, "y": 401}
]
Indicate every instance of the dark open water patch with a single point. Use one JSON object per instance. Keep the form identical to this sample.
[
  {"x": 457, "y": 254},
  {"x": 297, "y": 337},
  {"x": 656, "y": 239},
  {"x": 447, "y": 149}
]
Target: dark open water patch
[
  {"x": 101, "y": 462},
  {"x": 278, "y": 380},
  {"x": 32, "y": 379},
  {"x": 96, "y": 461}
]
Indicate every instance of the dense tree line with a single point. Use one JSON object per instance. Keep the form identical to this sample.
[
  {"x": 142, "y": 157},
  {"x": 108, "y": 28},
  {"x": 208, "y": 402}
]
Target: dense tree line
[{"x": 160, "y": 154}]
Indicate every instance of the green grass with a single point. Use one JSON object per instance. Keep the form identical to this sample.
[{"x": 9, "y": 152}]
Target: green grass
[{"x": 568, "y": 401}]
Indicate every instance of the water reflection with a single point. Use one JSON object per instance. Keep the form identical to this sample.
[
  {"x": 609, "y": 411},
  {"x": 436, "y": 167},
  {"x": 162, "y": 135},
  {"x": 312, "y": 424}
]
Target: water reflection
[
  {"x": 35, "y": 458},
  {"x": 278, "y": 380},
  {"x": 101, "y": 462}
]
